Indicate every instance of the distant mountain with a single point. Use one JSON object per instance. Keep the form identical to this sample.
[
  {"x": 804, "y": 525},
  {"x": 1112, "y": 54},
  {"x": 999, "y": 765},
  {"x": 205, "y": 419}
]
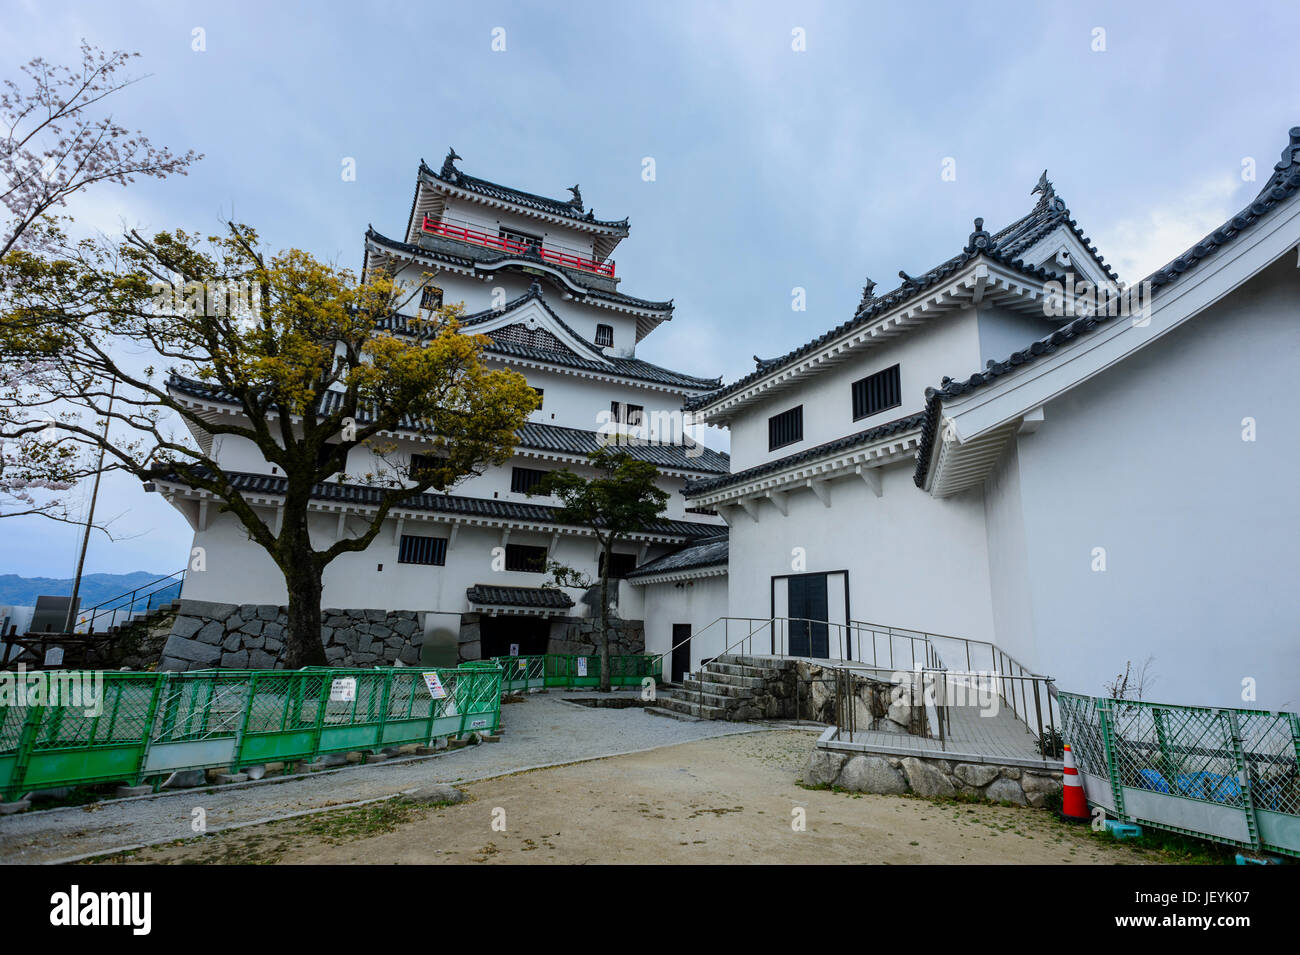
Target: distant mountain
[{"x": 95, "y": 588}]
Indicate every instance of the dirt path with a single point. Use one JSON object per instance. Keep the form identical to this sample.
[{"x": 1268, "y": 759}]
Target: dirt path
[{"x": 717, "y": 800}]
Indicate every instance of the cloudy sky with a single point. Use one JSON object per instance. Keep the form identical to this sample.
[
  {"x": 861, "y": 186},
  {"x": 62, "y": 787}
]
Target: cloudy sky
[{"x": 776, "y": 167}]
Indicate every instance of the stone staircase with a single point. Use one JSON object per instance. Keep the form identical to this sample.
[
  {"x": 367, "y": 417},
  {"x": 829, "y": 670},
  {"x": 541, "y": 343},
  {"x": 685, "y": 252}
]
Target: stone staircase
[{"x": 734, "y": 688}]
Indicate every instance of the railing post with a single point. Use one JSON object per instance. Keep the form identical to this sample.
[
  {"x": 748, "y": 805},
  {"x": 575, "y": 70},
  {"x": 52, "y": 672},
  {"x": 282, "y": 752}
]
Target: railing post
[
  {"x": 1038, "y": 713},
  {"x": 1112, "y": 763},
  {"x": 1243, "y": 777}
]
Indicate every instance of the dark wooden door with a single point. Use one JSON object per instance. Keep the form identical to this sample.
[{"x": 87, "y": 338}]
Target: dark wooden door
[
  {"x": 681, "y": 651},
  {"x": 809, "y": 635}
]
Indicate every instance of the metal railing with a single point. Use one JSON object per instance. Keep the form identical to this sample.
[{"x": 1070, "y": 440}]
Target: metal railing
[
  {"x": 149, "y": 725},
  {"x": 881, "y": 649},
  {"x": 127, "y": 605},
  {"x": 556, "y": 255},
  {"x": 1228, "y": 775}
]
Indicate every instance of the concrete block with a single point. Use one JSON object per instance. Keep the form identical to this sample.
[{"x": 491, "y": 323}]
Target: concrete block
[
  {"x": 227, "y": 778},
  {"x": 124, "y": 792},
  {"x": 9, "y": 808}
]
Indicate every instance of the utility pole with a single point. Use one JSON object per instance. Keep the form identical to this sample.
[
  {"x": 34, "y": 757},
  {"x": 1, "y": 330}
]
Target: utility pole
[{"x": 68, "y": 623}]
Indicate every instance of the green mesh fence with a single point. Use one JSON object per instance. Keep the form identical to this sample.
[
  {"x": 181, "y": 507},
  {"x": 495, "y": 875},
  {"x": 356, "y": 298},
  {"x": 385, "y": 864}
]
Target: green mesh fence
[
  {"x": 569, "y": 671},
  {"x": 92, "y": 727},
  {"x": 1230, "y": 775}
]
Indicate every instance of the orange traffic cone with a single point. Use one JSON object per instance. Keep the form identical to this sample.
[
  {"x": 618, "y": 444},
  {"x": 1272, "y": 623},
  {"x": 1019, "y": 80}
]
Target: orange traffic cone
[{"x": 1074, "y": 807}]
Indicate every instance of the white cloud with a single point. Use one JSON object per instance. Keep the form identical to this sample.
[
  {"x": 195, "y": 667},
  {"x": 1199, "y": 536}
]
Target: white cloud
[{"x": 1139, "y": 245}]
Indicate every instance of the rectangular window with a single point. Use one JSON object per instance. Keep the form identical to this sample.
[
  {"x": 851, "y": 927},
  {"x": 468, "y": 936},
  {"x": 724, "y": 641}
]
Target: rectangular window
[
  {"x": 421, "y": 463},
  {"x": 626, "y": 414},
  {"x": 523, "y": 480},
  {"x": 541, "y": 397},
  {"x": 422, "y": 550},
  {"x": 431, "y": 298},
  {"x": 525, "y": 558},
  {"x": 519, "y": 240},
  {"x": 785, "y": 428},
  {"x": 604, "y": 335},
  {"x": 619, "y": 567},
  {"x": 876, "y": 393}
]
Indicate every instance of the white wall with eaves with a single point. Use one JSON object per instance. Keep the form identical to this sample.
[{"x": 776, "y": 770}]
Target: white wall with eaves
[
  {"x": 1200, "y": 529},
  {"x": 913, "y": 561}
]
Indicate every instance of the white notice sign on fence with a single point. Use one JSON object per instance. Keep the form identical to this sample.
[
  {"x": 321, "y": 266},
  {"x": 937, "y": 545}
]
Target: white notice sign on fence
[
  {"x": 582, "y": 666},
  {"x": 434, "y": 683},
  {"x": 343, "y": 690}
]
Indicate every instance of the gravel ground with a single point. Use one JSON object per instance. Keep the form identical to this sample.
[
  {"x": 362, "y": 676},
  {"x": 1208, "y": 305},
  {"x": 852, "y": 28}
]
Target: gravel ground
[
  {"x": 733, "y": 800},
  {"x": 542, "y": 731}
]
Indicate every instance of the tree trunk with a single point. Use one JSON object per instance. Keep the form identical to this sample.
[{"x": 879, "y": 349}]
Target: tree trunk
[
  {"x": 604, "y": 618},
  {"x": 302, "y": 577}
]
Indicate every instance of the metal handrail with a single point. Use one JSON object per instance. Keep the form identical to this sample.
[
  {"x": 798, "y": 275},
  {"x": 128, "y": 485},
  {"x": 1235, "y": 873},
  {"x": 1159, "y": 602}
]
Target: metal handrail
[
  {"x": 1015, "y": 682},
  {"x": 466, "y": 231},
  {"x": 176, "y": 578}
]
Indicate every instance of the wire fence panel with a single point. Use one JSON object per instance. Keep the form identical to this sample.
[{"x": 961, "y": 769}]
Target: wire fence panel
[
  {"x": 93, "y": 727},
  {"x": 1230, "y": 775}
]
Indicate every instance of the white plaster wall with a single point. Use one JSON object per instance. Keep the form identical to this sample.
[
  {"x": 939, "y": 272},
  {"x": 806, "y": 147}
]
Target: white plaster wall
[
  {"x": 1002, "y": 332},
  {"x": 1201, "y": 529},
  {"x": 697, "y": 602},
  {"x": 913, "y": 561},
  {"x": 239, "y": 571},
  {"x": 945, "y": 345},
  {"x": 1009, "y": 569}
]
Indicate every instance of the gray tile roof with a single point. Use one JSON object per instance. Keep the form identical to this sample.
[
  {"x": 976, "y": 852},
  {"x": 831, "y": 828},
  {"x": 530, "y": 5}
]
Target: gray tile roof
[
  {"x": 570, "y": 208},
  {"x": 549, "y": 437},
  {"x": 547, "y": 598},
  {"x": 537, "y": 436},
  {"x": 1281, "y": 186},
  {"x": 897, "y": 426},
  {"x": 451, "y": 504},
  {"x": 706, "y": 553},
  {"x": 593, "y": 360},
  {"x": 1005, "y": 247}
]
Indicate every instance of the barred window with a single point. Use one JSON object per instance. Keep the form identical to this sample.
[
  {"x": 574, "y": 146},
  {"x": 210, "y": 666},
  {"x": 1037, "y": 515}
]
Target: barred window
[
  {"x": 619, "y": 567},
  {"x": 785, "y": 428},
  {"x": 421, "y": 464},
  {"x": 523, "y": 480},
  {"x": 422, "y": 550},
  {"x": 877, "y": 392},
  {"x": 526, "y": 558},
  {"x": 517, "y": 238},
  {"x": 604, "y": 334},
  {"x": 431, "y": 297},
  {"x": 626, "y": 414}
]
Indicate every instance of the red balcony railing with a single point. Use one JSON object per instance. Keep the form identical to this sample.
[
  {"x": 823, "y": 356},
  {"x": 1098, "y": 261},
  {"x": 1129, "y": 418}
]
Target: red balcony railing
[{"x": 568, "y": 260}]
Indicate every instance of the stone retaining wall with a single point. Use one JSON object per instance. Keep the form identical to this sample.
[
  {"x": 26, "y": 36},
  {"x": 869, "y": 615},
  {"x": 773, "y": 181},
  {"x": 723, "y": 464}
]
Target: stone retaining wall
[
  {"x": 567, "y": 635},
  {"x": 251, "y": 637},
  {"x": 927, "y": 776}
]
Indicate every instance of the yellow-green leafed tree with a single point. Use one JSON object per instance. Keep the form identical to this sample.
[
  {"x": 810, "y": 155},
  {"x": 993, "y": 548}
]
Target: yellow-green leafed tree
[{"x": 313, "y": 358}]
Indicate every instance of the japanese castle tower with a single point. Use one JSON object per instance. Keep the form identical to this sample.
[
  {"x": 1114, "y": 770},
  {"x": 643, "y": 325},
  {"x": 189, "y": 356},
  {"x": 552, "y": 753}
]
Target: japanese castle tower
[{"x": 537, "y": 278}]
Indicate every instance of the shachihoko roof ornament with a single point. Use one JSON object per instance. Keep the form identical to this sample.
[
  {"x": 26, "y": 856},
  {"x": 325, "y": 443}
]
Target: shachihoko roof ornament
[
  {"x": 449, "y": 170},
  {"x": 1047, "y": 194},
  {"x": 576, "y": 201},
  {"x": 868, "y": 295}
]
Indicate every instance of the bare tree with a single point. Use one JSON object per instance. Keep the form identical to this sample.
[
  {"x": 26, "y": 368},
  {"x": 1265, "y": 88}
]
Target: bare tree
[{"x": 56, "y": 139}]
